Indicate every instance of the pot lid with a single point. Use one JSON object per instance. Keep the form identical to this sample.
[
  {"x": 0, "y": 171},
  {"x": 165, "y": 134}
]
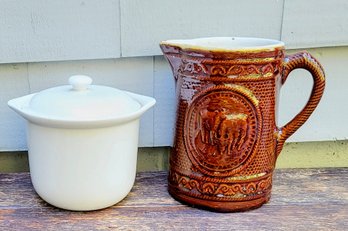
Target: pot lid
[{"x": 82, "y": 101}]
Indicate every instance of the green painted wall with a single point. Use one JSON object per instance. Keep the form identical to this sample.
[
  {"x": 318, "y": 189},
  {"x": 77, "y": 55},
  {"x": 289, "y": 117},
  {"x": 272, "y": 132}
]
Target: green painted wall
[{"x": 314, "y": 155}]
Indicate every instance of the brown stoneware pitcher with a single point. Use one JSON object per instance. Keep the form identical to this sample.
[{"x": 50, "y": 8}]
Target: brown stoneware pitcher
[{"x": 227, "y": 140}]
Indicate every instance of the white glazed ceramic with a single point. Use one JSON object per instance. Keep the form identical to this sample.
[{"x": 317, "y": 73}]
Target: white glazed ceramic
[{"x": 82, "y": 142}]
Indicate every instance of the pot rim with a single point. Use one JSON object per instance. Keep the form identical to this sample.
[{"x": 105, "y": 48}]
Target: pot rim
[{"x": 21, "y": 106}]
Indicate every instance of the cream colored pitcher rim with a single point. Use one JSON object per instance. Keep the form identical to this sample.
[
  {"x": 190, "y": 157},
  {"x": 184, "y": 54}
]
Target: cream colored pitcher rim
[{"x": 226, "y": 44}]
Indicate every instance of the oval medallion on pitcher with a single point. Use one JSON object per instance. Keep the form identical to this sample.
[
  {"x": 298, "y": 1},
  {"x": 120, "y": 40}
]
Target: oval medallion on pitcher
[{"x": 222, "y": 128}]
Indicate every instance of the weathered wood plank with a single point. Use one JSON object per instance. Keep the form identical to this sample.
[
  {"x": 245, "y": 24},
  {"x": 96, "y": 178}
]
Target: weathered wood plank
[
  {"x": 285, "y": 217},
  {"x": 303, "y": 199}
]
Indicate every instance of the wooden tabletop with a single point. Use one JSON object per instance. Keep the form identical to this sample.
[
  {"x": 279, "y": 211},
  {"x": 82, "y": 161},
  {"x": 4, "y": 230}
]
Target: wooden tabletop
[{"x": 302, "y": 199}]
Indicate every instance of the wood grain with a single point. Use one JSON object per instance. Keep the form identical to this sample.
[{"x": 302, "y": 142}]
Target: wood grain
[{"x": 302, "y": 199}]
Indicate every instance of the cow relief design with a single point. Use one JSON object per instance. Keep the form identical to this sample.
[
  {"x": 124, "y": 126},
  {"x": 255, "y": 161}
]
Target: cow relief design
[{"x": 221, "y": 130}]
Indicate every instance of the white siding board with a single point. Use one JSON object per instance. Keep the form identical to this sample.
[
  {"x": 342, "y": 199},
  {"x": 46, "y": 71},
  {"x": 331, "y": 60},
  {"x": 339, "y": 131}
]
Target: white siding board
[
  {"x": 329, "y": 120},
  {"x": 145, "y": 23},
  {"x": 165, "y": 110},
  {"x": 130, "y": 74},
  {"x": 152, "y": 76},
  {"x": 315, "y": 23},
  {"x": 39, "y": 30},
  {"x": 14, "y": 83},
  {"x": 118, "y": 73}
]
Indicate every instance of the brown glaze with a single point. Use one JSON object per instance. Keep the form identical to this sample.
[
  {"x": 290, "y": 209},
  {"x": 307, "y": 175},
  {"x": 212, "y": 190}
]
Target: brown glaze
[{"x": 226, "y": 141}]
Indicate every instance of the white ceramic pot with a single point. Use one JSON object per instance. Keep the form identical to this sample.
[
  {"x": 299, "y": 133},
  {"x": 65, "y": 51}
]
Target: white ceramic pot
[{"x": 82, "y": 142}]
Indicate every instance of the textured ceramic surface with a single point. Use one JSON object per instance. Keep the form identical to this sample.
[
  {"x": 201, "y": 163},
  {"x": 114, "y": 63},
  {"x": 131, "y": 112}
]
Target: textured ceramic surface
[
  {"x": 227, "y": 140},
  {"x": 81, "y": 158}
]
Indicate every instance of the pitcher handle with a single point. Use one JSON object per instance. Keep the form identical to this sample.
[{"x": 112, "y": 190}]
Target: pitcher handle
[{"x": 306, "y": 61}]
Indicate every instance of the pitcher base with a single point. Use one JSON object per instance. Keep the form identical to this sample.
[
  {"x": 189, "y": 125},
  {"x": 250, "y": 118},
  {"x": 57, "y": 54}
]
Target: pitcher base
[{"x": 220, "y": 206}]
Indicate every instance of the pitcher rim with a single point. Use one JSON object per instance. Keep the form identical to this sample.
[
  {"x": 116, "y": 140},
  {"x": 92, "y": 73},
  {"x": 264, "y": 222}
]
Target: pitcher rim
[{"x": 241, "y": 44}]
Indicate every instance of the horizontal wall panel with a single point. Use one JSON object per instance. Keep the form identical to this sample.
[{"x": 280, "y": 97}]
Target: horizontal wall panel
[
  {"x": 315, "y": 23},
  {"x": 39, "y": 30},
  {"x": 118, "y": 73},
  {"x": 165, "y": 109},
  {"x": 329, "y": 120},
  {"x": 145, "y": 23},
  {"x": 14, "y": 83},
  {"x": 21, "y": 79},
  {"x": 152, "y": 76}
]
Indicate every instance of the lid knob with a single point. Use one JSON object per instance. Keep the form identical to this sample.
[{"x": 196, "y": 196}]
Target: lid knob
[{"x": 80, "y": 82}]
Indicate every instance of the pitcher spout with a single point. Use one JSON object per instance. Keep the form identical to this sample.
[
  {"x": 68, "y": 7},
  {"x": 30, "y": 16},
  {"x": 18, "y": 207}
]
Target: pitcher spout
[{"x": 172, "y": 55}]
